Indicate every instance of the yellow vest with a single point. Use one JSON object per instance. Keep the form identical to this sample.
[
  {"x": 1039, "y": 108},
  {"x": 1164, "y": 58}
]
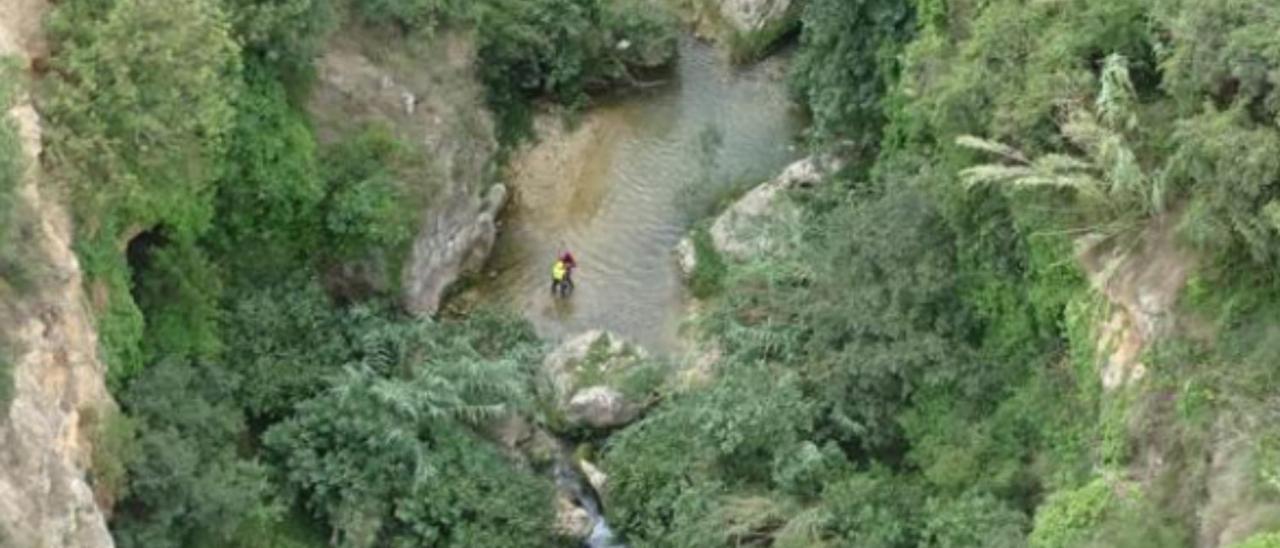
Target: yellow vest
[{"x": 558, "y": 271}]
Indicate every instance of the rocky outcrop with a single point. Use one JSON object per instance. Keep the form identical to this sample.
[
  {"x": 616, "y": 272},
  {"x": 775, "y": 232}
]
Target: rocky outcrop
[
  {"x": 1142, "y": 280},
  {"x": 747, "y": 27},
  {"x": 750, "y": 16},
  {"x": 46, "y": 500},
  {"x": 430, "y": 97},
  {"x": 455, "y": 241},
  {"x": 588, "y": 373},
  {"x": 743, "y": 231}
]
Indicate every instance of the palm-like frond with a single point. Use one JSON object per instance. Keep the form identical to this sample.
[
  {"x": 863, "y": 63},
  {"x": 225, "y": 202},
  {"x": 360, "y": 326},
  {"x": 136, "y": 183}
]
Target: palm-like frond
[
  {"x": 992, "y": 147},
  {"x": 1109, "y": 174}
]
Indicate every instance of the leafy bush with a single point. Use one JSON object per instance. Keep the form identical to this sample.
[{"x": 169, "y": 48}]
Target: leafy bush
[
  {"x": 875, "y": 509},
  {"x": 973, "y": 519},
  {"x": 188, "y": 481},
  {"x": 562, "y": 49},
  {"x": 137, "y": 120},
  {"x": 1067, "y": 518},
  {"x": 846, "y": 63},
  {"x": 268, "y": 201},
  {"x": 387, "y": 461},
  {"x": 412, "y": 15},
  {"x": 664, "y": 471},
  {"x": 366, "y": 208}
]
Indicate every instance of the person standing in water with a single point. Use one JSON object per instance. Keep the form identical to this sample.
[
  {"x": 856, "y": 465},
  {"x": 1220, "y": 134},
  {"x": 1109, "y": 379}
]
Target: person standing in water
[{"x": 562, "y": 274}]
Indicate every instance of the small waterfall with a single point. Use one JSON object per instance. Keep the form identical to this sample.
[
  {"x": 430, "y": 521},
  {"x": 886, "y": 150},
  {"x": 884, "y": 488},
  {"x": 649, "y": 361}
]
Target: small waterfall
[{"x": 570, "y": 480}]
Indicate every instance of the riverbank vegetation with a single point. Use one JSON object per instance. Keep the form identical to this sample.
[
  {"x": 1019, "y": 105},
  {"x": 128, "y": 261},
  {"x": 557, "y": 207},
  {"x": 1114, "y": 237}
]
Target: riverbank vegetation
[
  {"x": 259, "y": 406},
  {"x": 923, "y": 367}
]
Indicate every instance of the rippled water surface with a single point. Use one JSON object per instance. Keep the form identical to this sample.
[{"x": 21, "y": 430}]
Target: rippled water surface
[{"x": 622, "y": 187}]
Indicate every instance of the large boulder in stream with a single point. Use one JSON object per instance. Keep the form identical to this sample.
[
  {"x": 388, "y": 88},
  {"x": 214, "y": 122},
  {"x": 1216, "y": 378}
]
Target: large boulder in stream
[
  {"x": 747, "y": 228},
  {"x": 600, "y": 381}
]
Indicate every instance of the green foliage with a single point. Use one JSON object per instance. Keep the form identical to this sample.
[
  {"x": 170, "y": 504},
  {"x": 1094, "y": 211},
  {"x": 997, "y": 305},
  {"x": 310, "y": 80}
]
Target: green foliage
[
  {"x": 1232, "y": 168},
  {"x": 268, "y": 201},
  {"x": 115, "y": 449},
  {"x": 412, "y": 15},
  {"x": 137, "y": 120},
  {"x": 189, "y": 481},
  {"x": 1260, "y": 540},
  {"x": 735, "y": 429},
  {"x": 366, "y": 208},
  {"x": 846, "y": 63},
  {"x": 875, "y": 509},
  {"x": 709, "y": 269},
  {"x": 562, "y": 49},
  {"x": 285, "y": 34},
  {"x": 1069, "y": 517},
  {"x": 882, "y": 314},
  {"x": 649, "y": 32},
  {"x": 177, "y": 287},
  {"x": 387, "y": 461},
  {"x": 974, "y": 519},
  {"x": 1223, "y": 51},
  {"x": 286, "y": 339},
  {"x": 1103, "y": 514}
]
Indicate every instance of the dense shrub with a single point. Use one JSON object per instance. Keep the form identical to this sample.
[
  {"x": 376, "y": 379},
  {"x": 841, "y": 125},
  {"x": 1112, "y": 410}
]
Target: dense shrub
[
  {"x": 563, "y": 49},
  {"x": 384, "y": 455},
  {"x": 137, "y": 120}
]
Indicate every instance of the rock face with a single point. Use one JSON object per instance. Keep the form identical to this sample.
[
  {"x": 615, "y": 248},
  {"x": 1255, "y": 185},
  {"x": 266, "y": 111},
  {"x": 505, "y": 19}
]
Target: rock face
[
  {"x": 429, "y": 96},
  {"x": 586, "y": 373},
  {"x": 1143, "y": 281},
  {"x": 45, "y": 451},
  {"x": 456, "y": 240}
]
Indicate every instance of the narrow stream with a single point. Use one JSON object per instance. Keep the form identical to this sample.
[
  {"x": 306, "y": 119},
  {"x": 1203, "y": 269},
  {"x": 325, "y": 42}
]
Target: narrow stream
[
  {"x": 619, "y": 190},
  {"x": 622, "y": 187}
]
